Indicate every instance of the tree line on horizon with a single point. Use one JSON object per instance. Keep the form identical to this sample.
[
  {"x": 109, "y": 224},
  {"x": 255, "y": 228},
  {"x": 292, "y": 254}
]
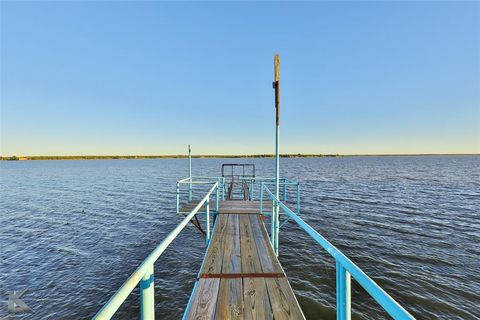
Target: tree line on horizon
[{"x": 296, "y": 155}]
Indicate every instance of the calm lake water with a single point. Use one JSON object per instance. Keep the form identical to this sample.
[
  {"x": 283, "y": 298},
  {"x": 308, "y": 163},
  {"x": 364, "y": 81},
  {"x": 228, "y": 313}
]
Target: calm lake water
[{"x": 72, "y": 232}]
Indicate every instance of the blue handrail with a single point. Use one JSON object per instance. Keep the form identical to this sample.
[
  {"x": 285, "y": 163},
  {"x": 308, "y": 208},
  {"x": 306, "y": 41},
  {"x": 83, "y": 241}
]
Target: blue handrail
[
  {"x": 197, "y": 180},
  {"x": 143, "y": 275},
  {"x": 344, "y": 268}
]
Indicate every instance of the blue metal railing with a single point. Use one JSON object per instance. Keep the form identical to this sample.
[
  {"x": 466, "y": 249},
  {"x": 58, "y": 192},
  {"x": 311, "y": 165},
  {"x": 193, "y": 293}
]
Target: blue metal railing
[
  {"x": 143, "y": 275},
  {"x": 199, "y": 180},
  {"x": 345, "y": 269},
  {"x": 284, "y": 183}
]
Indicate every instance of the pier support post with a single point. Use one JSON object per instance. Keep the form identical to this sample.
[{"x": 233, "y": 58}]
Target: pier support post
[
  {"x": 284, "y": 189},
  {"x": 217, "y": 195},
  {"x": 207, "y": 237},
  {"x": 147, "y": 295},
  {"x": 261, "y": 198},
  {"x": 223, "y": 189},
  {"x": 343, "y": 293},
  {"x": 272, "y": 233},
  {"x": 251, "y": 190},
  {"x": 190, "y": 173},
  {"x": 277, "y": 227}
]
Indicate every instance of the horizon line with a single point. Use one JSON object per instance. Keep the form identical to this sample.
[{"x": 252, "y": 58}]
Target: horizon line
[{"x": 260, "y": 155}]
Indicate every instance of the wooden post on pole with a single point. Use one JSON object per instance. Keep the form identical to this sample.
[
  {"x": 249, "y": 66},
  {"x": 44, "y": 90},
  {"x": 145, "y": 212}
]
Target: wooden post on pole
[{"x": 276, "y": 85}]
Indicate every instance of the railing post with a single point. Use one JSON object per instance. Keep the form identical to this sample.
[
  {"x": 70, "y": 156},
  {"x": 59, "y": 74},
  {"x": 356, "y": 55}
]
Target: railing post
[
  {"x": 217, "y": 198},
  {"x": 223, "y": 188},
  {"x": 251, "y": 190},
  {"x": 284, "y": 189},
  {"x": 272, "y": 234},
  {"x": 298, "y": 198},
  {"x": 147, "y": 295},
  {"x": 343, "y": 293},
  {"x": 277, "y": 227},
  {"x": 261, "y": 198},
  {"x": 190, "y": 173},
  {"x": 178, "y": 197},
  {"x": 207, "y": 238}
]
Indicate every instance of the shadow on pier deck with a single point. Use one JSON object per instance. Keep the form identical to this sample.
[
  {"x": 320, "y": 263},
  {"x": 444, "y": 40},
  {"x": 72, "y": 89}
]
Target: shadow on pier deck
[{"x": 241, "y": 278}]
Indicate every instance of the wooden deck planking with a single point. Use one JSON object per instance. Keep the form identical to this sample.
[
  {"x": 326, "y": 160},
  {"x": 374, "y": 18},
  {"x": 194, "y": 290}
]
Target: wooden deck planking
[
  {"x": 248, "y": 207},
  {"x": 284, "y": 303},
  {"x": 233, "y": 206},
  {"x": 267, "y": 257},
  {"x": 240, "y": 207},
  {"x": 189, "y": 206},
  {"x": 240, "y": 249},
  {"x": 230, "y": 299},
  {"x": 214, "y": 257},
  {"x": 204, "y": 302},
  {"x": 250, "y": 259},
  {"x": 231, "y": 259},
  {"x": 255, "y": 299}
]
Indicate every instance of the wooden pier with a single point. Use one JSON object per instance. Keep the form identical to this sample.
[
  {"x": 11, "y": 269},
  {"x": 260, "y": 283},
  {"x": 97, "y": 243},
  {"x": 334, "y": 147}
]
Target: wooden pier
[{"x": 241, "y": 277}]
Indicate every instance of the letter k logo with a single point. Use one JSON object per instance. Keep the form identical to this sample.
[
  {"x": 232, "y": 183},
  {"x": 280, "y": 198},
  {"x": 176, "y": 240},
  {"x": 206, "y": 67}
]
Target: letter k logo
[{"x": 15, "y": 304}]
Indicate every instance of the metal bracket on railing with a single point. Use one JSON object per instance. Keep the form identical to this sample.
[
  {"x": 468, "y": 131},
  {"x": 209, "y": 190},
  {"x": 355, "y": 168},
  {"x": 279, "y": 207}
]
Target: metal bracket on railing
[
  {"x": 145, "y": 283},
  {"x": 147, "y": 295}
]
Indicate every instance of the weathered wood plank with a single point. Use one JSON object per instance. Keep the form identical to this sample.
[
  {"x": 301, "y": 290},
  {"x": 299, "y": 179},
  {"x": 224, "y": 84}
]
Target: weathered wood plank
[
  {"x": 189, "y": 206},
  {"x": 255, "y": 299},
  {"x": 248, "y": 248},
  {"x": 267, "y": 257},
  {"x": 239, "y": 207},
  {"x": 230, "y": 300},
  {"x": 231, "y": 258},
  {"x": 240, "y": 247},
  {"x": 284, "y": 303},
  {"x": 242, "y": 212},
  {"x": 203, "y": 305},
  {"x": 214, "y": 258}
]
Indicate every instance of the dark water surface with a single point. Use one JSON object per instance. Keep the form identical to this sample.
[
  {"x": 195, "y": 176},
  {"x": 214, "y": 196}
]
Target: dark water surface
[{"x": 72, "y": 232}]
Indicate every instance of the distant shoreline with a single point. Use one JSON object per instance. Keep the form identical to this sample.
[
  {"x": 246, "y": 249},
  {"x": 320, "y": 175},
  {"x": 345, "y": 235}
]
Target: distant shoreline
[{"x": 298, "y": 155}]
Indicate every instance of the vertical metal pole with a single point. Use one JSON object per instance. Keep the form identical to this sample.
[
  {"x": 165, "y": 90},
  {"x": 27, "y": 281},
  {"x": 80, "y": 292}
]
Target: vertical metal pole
[
  {"x": 261, "y": 198},
  {"x": 343, "y": 293},
  {"x": 190, "y": 173},
  {"x": 284, "y": 189},
  {"x": 272, "y": 233},
  {"x": 147, "y": 295},
  {"x": 217, "y": 197},
  {"x": 251, "y": 190},
  {"x": 298, "y": 198},
  {"x": 243, "y": 188},
  {"x": 276, "y": 85},
  {"x": 178, "y": 197},
  {"x": 223, "y": 188},
  {"x": 207, "y": 238}
]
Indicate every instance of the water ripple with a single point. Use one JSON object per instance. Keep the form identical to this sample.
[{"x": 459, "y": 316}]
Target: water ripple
[{"x": 72, "y": 232}]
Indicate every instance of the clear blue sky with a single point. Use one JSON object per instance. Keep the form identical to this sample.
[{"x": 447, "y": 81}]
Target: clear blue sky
[{"x": 151, "y": 77}]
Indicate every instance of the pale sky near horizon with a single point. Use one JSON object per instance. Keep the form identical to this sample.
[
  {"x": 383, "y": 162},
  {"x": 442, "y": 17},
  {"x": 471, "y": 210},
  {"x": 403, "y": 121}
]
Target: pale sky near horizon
[{"x": 151, "y": 77}]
